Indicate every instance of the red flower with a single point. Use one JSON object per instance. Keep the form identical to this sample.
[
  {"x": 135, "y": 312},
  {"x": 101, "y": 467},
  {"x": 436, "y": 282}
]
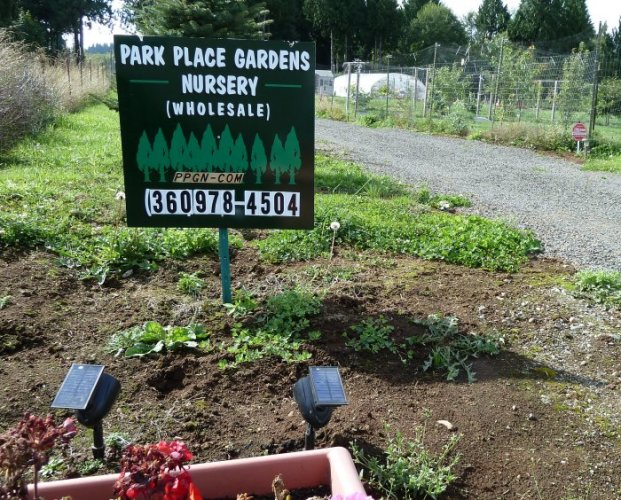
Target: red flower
[{"x": 156, "y": 472}]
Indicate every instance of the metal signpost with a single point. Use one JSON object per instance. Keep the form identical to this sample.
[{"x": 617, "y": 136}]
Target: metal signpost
[
  {"x": 579, "y": 133},
  {"x": 217, "y": 133}
]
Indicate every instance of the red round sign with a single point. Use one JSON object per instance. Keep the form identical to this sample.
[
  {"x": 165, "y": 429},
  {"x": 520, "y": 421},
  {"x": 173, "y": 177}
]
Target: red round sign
[{"x": 579, "y": 132}]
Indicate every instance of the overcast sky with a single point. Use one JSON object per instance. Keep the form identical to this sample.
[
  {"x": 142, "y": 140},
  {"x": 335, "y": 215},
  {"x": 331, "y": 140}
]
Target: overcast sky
[{"x": 608, "y": 11}]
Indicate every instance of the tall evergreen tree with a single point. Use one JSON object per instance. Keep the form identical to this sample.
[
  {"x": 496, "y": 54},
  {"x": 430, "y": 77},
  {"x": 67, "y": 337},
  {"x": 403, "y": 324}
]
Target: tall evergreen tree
[
  {"x": 559, "y": 25},
  {"x": 161, "y": 158},
  {"x": 287, "y": 19},
  {"x": 258, "y": 160},
  {"x": 292, "y": 154},
  {"x": 240, "y": 155},
  {"x": 178, "y": 150},
  {"x": 339, "y": 20},
  {"x": 209, "y": 150},
  {"x": 144, "y": 156},
  {"x": 225, "y": 150},
  {"x": 383, "y": 24},
  {"x": 59, "y": 17},
  {"x": 9, "y": 12},
  {"x": 277, "y": 159},
  {"x": 492, "y": 18},
  {"x": 193, "y": 155},
  {"x": 204, "y": 18},
  {"x": 410, "y": 8}
]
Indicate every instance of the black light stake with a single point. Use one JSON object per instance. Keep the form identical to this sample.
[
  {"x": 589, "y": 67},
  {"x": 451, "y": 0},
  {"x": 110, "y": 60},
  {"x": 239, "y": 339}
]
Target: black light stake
[
  {"x": 317, "y": 395},
  {"x": 91, "y": 393}
]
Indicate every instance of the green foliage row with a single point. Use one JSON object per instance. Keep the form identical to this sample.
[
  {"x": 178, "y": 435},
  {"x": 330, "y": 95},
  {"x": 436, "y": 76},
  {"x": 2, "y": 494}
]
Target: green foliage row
[
  {"x": 599, "y": 286},
  {"x": 408, "y": 470},
  {"x": 398, "y": 225}
]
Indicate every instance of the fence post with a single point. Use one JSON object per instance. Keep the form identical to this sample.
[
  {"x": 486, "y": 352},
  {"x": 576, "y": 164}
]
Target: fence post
[
  {"x": 357, "y": 91},
  {"x": 554, "y": 100},
  {"x": 415, "y": 91},
  {"x": 479, "y": 94},
  {"x": 433, "y": 78},
  {"x": 593, "y": 113},
  {"x": 538, "y": 108},
  {"x": 502, "y": 46},
  {"x": 348, "y": 91},
  {"x": 388, "y": 57},
  {"x": 426, "y": 92},
  {"x": 67, "y": 63}
]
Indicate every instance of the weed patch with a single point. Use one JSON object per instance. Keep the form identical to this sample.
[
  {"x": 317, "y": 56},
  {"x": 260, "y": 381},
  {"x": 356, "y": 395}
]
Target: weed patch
[
  {"x": 408, "y": 469},
  {"x": 449, "y": 350},
  {"x": 599, "y": 286},
  {"x": 396, "y": 225},
  {"x": 277, "y": 331}
]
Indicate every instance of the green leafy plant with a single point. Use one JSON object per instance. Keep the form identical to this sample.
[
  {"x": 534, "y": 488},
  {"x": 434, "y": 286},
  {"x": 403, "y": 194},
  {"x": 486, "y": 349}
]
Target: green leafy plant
[
  {"x": 450, "y": 350},
  {"x": 190, "y": 284},
  {"x": 243, "y": 304},
  {"x": 88, "y": 467},
  {"x": 277, "y": 332},
  {"x": 152, "y": 338},
  {"x": 599, "y": 286},
  {"x": 5, "y": 301},
  {"x": 288, "y": 311},
  {"x": 53, "y": 467},
  {"x": 372, "y": 335},
  {"x": 408, "y": 470},
  {"x": 251, "y": 345}
]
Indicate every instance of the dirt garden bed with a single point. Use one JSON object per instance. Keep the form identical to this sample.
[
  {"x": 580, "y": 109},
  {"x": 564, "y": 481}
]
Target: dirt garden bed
[{"x": 541, "y": 421}]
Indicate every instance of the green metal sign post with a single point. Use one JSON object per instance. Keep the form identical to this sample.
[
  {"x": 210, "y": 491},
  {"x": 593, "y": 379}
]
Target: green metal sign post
[
  {"x": 217, "y": 133},
  {"x": 225, "y": 264}
]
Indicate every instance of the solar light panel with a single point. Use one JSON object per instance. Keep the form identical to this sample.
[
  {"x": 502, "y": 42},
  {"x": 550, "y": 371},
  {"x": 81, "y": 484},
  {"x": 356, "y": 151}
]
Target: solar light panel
[
  {"x": 78, "y": 386},
  {"x": 327, "y": 386}
]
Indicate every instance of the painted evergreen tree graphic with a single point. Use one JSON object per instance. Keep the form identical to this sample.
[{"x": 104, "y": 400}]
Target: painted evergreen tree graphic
[
  {"x": 258, "y": 160},
  {"x": 178, "y": 148},
  {"x": 144, "y": 156},
  {"x": 225, "y": 150},
  {"x": 160, "y": 156},
  {"x": 193, "y": 154},
  {"x": 292, "y": 155},
  {"x": 209, "y": 150},
  {"x": 277, "y": 159},
  {"x": 240, "y": 155}
]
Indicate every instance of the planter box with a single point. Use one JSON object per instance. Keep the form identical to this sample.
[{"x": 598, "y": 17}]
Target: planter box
[{"x": 331, "y": 467}]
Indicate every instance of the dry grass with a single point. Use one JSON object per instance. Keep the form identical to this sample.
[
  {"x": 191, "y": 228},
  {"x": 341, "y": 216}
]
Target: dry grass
[{"x": 34, "y": 89}]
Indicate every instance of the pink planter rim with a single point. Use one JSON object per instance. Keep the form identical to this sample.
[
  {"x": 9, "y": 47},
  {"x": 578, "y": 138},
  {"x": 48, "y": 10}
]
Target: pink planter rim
[{"x": 332, "y": 467}]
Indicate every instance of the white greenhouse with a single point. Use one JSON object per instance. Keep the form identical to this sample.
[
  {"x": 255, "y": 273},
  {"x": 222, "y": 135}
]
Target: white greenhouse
[{"x": 400, "y": 84}]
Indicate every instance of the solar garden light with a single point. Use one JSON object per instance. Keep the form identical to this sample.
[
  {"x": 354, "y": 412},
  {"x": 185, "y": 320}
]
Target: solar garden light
[
  {"x": 317, "y": 395},
  {"x": 91, "y": 393}
]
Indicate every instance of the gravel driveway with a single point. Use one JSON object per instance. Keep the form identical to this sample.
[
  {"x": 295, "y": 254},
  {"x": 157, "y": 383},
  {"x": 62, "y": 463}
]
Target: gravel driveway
[{"x": 576, "y": 214}]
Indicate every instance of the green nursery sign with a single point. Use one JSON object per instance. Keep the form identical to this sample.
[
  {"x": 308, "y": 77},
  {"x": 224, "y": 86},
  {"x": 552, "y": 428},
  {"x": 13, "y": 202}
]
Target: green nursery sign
[{"x": 216, "y": 133}]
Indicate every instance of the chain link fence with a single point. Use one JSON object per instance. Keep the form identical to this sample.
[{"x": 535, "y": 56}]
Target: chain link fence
[{"x": 510, "y": 86}]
